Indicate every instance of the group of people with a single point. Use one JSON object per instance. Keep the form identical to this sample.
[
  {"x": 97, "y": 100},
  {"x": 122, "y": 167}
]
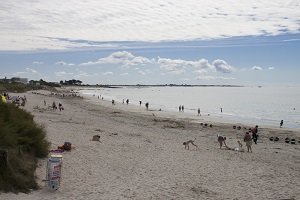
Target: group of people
[
  {"x": 54, "y": 107},
  {"x": 181, "y": 108},
  {"x": 249, "y": 137},
  {"x": 17, "y": 100}
]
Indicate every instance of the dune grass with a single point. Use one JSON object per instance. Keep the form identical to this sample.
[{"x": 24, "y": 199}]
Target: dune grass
[
  {"x": 17, "y": 87},
  {"x": 25, "y": 142}
]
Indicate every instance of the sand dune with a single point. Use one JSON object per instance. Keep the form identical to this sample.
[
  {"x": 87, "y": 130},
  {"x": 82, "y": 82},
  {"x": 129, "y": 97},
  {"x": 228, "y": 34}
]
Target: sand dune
[{"x": 142, "y": 157}]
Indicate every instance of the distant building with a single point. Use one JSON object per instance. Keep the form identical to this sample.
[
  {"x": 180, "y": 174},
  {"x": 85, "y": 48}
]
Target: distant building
[
  {"x": 19, "y": 80},
  {"x": 33, "y": 82}
]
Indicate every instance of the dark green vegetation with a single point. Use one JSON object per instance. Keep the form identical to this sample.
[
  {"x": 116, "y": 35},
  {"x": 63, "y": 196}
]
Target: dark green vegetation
[
  {"x": 25, "y": 142},
  {"x": 18, "y": 87}
]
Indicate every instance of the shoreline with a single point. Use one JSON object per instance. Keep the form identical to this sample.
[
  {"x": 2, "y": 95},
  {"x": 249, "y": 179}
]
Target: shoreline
[
  {"x": 178, "y": 115},
  {"x": 142, "y": 157},
  {"x": 231, "y": 112}
]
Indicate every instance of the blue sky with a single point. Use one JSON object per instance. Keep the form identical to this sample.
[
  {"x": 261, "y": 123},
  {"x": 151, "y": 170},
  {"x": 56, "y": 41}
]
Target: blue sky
[{"x": 152, "y": 42}]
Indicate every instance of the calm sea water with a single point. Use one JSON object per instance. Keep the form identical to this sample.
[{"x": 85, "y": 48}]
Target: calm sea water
[{"x": 262, "y": 106}]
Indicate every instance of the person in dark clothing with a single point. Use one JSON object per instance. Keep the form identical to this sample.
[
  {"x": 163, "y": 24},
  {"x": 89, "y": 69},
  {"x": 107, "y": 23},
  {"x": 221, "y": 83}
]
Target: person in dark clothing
[
  {"x": 254, "y": 134},
  {"x": 281, "y": 123},
  {"x": 147, "y": 105}
]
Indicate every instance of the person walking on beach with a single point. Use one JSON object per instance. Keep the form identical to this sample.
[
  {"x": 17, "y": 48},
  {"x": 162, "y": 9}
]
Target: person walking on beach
[
  {"x": 127, "y": 101},
  {"x": 199, "y": 112},
  {"x": 221, "y": 110},
  {"x": 248, "y": 141},
  {"x": 60, "y": 107},
  {"x": 54, "y": 105},
  {"x": 254, "y": 134},
  {"x": 140, "y": 103},
  {"x": 281, "y": 123},
  {"x": 147, "y": 105},
  {"x": 180, "y": 108}
]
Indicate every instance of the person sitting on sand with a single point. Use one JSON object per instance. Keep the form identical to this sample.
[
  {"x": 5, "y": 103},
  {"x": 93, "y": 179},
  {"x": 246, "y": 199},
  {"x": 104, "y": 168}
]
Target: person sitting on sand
[
  {"x": 248, "y": 140},
  {"x": 221, "y": 141}
]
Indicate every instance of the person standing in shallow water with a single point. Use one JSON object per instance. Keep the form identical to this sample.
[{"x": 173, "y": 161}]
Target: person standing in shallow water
[
  {"x": 199, "y": 112},
  {"x": 281, "y": 123},
  {"x": 180, "y": 108},
  {"x": 147, "y": 105}
]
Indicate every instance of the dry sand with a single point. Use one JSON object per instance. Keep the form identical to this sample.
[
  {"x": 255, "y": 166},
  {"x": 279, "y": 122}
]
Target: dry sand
[{"x": 142, "y": 157}]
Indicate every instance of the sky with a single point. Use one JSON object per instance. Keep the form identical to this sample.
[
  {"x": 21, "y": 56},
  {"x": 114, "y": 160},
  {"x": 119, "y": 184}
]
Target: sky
[{"x": 232, "y": 42}]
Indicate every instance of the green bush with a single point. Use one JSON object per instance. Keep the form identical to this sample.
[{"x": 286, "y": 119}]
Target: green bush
[
  {"x": 17, "y": 87},
  {"x": 25, "y": 142}
]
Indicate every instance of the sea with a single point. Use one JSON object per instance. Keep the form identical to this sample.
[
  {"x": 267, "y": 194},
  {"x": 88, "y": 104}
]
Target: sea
[{"x": 251, "y": 105}]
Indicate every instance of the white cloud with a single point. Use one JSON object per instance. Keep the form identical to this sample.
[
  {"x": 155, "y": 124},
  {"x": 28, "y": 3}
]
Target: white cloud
[
  {"x": 126, "y": 20},
  {"x": 257, "y": 68},
  {"x": 222, "y": 66},
  {"x": 142, "y": 72},
  {"x": 179, "y": 66},
  {"x": 214, "y": 78},
  {"x": 107, "y": 73},
  {"x": 31, "y": 70},
  {"x": 172, "y": 66},
  {"x": 201, "y": 71},
  {"x": 271, "y": 68},
  {"x": 123, "y": 58},
  {"x": 63, "y": 73},
  {"x": 29, "y": 73},
  {"x": 64, "y": 63},
  {"x": 81, "y": 74},
  {"x": 37, "y": 63}
]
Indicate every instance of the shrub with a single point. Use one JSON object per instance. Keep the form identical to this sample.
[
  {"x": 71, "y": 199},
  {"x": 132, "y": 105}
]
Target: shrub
[{"x": 25, "y": 142}]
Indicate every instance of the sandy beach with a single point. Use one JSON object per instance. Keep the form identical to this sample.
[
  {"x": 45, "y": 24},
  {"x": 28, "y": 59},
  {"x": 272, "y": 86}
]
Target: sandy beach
[{"x": 142, "y": 156}]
